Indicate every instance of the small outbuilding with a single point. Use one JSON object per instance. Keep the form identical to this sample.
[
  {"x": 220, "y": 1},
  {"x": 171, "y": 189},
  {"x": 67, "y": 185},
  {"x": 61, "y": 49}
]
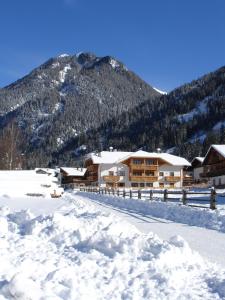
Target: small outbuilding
[{"x": 74, "y": 176}]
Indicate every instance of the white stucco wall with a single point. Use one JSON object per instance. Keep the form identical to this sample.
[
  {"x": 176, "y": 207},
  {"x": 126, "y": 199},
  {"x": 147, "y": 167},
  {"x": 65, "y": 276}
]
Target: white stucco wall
[
  {"x": 166, "y": 169},
  {"x": 104, "y": 170},
  {"x": 197, "y": 172}
]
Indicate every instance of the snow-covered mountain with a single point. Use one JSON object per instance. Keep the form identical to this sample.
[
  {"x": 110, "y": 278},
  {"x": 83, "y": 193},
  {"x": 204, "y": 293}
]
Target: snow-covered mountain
[
  {"x": 186, "y": 121},
  {"x": 69, "y": 95},
  {"x": 73, "y": 104}
]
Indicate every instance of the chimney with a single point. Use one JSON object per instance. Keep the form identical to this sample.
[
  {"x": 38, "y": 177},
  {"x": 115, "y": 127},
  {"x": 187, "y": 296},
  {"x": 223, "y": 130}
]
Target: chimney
[{"x": 158, "y": 150}]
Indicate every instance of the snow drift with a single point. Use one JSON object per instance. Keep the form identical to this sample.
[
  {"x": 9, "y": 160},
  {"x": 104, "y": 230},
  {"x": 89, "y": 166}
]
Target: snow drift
[{"x": 78, "y": 252}]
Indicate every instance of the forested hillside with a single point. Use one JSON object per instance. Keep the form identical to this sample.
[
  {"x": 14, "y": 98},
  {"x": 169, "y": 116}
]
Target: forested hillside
[
  {"x": 72, "y": 105},
  {"x": 64, "y": 98},
  {"x": 185, "y": 122}
]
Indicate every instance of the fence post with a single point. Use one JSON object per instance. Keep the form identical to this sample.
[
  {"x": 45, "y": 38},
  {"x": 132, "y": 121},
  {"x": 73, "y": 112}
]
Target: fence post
[
  {"x": 130, "y": 194},
  {"x": 184, "y": 197},
  {"x": 151, "y": 194},
  {"x": 165, "y": 195},
  {"x": 139, "y": 194},
  {"x": 213, "y": 199},
  {"x": 124, "y": 194}
]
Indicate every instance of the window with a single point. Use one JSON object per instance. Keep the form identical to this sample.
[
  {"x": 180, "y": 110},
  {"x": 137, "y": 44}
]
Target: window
[
  {"x": 137, "y": 173},
  {"x": 149, "y": 184},
  {"x": 161, "y": 174},
  {"x": 121, "y": 184},
  {"x": 137, "y": 161},
  {"x": 171, "y": 173},
  {"x": 121, "y": 173},
  {"x": 149, "y": 173},
  {"x": 149, "y": 162},
  {"x": 161, "y": 185},
  {"x": 109, "y": 184},
  {"x": 111, "y": 173},
  {"x": 134, "y": 184},
  {"x": 171, "y": 185},
  {"x": 142, "y": 184}
]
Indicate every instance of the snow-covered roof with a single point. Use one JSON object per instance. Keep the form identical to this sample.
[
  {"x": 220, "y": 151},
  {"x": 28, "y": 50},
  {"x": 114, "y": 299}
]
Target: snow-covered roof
[
  {"x": 169, "y": 158},
  {"x": 219, "y": 148},
  {"x": 45, "y": 170},
  {"x": 105, "y": 157},
  {"x": 174, "y": 160},
  {"x": 74, "y": 171},
  {"x": 200, "y": 159}
]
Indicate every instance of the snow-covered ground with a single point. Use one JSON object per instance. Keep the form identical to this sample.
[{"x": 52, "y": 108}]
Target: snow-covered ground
[{"x": 75, "y": 250}]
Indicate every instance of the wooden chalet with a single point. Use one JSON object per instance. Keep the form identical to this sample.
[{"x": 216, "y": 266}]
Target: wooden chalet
[
  {"x": 139, "y": 169},
  {"x": 74, "y": 176},
  {"x": 214, "y": 165}
]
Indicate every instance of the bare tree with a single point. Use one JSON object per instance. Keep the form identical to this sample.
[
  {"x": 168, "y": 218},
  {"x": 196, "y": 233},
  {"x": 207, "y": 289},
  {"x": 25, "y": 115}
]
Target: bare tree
[{"x": 11, "y": 141}]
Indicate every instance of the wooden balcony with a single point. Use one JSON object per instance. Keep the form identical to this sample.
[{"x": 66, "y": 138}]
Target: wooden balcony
[
  {"x": 92, "y": 178},
  {"x": 172, "y": 178},
  {"x": 143, "y": 178},
  {"x": 144, "y": 167},
  {"x": 111, "y": 178}
]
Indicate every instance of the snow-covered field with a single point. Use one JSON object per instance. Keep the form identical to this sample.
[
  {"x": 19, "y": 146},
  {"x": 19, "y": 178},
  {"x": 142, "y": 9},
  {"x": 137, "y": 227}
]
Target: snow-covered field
[{"x": 75, "y": 251}]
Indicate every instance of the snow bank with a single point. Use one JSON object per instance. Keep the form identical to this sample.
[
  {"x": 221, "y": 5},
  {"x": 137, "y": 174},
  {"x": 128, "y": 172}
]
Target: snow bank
[
  {"x": 169, "y": 211},
  {"x": 22, "y": 183},
  {"x": 81, "y": 253}
]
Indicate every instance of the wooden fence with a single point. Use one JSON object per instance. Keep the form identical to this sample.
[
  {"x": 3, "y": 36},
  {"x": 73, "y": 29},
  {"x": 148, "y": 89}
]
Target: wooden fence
[{"x": 189, "y": 198}]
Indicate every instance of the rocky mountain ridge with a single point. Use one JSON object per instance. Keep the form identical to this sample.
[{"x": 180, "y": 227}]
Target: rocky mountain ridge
[{"x": 68, "y": 96}]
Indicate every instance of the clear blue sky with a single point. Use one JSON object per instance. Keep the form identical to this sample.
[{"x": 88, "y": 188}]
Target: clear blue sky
[{"x": 166, "y": 42}]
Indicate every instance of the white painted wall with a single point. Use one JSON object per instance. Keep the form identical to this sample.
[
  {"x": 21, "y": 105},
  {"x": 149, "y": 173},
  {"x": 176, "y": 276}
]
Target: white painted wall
[
  {"x": 166, "y": 169},
  {"x": 197, "y": 172},
  {"x": 104, "y": 170}
]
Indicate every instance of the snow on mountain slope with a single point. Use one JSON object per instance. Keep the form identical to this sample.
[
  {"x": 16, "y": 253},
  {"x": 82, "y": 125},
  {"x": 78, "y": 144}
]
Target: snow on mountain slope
[
  {"x": 161, "y": 92},
  {"x": 201, "y": 108}
]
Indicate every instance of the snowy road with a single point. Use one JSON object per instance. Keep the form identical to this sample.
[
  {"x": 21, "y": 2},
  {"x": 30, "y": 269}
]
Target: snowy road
[{"x": 209, "y": 243}]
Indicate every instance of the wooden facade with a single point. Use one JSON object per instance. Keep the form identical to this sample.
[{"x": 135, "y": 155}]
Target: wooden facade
[
  {"x": 214, "y": 164},
  {"x": 92, "y": 171}
]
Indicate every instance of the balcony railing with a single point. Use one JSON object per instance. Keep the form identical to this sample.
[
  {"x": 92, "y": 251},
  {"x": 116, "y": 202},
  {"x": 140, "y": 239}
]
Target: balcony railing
[
  {"x": 172, "y": 178},
  {"x": 144, "y": 167},
  {"x": 111, "y": 178},
  {"x": 143, "y": 178}
]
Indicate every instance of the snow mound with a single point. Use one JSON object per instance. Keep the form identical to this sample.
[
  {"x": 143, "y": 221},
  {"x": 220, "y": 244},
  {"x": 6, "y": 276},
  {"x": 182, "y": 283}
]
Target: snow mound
[{"x": 79, "y": 252}]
